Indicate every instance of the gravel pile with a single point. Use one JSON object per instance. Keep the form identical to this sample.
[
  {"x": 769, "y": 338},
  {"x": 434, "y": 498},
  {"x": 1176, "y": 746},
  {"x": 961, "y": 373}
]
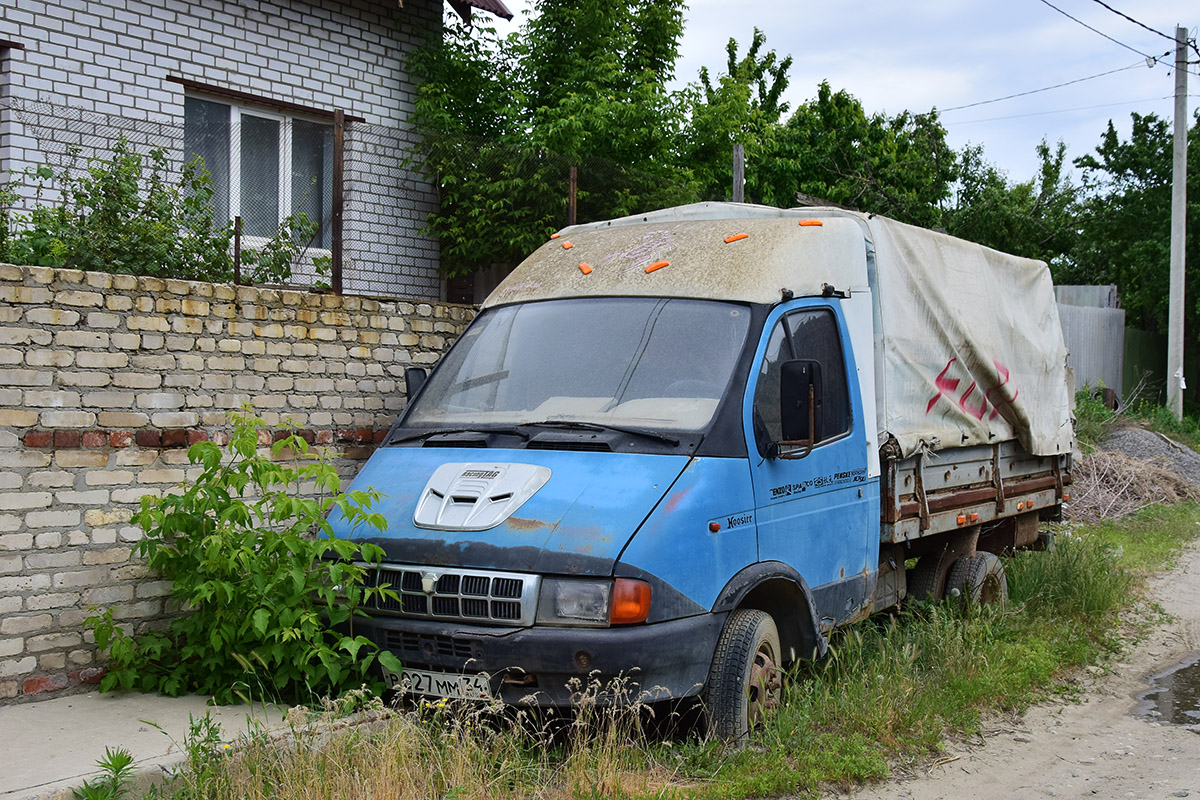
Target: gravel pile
[
  {"x": 1133, "y": 469},
  {"x": 1157, "y": 449}
]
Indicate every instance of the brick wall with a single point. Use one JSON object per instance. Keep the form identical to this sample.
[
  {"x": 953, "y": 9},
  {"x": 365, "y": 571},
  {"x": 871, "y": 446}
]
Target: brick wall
[
  {"x": 105, "y": 380},
  {"x": 90, "y": 72}
]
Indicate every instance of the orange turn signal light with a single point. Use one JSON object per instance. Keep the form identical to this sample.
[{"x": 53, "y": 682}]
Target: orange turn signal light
[
  {"x": 974, "y": 517},
  {"x": 811, "y": 223},
  {"x": 962, "y": 519},
  {"x": 630, "y": 602}
]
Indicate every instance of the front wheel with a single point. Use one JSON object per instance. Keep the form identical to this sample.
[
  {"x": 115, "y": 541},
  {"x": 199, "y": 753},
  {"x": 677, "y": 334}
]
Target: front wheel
[{"x": 744, "y": 681}]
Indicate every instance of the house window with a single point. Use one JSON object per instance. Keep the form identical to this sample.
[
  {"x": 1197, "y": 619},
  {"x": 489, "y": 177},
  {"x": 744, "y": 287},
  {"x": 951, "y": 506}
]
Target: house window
[{"x": 265, "y": 165}]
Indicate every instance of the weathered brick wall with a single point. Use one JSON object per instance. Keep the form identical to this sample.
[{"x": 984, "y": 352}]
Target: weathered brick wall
[{"x": 105, "y": 380}]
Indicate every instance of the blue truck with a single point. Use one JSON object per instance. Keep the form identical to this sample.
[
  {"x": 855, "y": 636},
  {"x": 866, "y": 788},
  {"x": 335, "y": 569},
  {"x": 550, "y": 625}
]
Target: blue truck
[{"x": 679, "y": 449}]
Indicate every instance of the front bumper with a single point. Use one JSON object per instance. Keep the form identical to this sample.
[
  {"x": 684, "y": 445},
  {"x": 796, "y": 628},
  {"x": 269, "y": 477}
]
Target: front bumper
[{"x": 549, "y": 666}]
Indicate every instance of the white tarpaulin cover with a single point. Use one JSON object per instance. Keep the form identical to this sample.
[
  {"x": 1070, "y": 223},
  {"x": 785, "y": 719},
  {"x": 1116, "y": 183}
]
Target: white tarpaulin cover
[{"x": 968, "y": 347}]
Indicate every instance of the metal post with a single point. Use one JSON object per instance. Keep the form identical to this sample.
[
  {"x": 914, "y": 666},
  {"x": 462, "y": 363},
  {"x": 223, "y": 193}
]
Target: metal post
[
  {"x": 739, "y": 173},
  {"x": 1175, "y": 314},
  {"x": 237, "y": 250},
  {"x": 339, "y": 199},
  {"x": 572, "y": 194}
]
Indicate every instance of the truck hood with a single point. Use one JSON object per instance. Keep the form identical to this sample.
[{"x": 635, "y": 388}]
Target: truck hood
[{"x": 575, "y": 523}]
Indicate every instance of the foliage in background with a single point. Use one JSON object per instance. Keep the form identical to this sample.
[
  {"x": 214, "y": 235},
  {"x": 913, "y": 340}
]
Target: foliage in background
[
  {"x": 503, "y": 120},
  {"x": 1125, "y": 219},
  {"x": 1034, "y": 219},
  {"x": 261, "y": 597},
  {"x": 742, "y": 106},
  {"x": 128, "y": 214}
]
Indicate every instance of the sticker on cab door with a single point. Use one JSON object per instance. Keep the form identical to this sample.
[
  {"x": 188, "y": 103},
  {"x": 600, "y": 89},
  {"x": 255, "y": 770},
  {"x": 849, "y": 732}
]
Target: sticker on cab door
[{"x": 820, "y": 482}]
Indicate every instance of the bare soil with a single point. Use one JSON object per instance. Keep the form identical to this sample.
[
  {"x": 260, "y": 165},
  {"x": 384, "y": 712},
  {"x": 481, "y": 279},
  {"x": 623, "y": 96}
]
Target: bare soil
[{"x": 1091, "y": 746}]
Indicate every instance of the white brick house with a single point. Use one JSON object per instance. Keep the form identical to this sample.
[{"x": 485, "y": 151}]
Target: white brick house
[{"x": 253, "y": 87}]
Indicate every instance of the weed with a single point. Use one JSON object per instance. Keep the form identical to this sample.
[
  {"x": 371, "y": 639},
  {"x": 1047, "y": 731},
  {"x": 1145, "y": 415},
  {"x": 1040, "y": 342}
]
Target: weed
[
  {"x": 264, "y": 597},
  {"x": 117, "y": 766}
]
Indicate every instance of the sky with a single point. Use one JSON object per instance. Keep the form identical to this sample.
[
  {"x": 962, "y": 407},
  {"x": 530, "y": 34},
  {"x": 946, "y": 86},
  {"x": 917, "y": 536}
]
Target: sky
[{"x": 895, "y": 56}]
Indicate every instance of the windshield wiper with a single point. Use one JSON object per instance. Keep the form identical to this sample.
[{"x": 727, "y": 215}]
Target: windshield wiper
[
  {"x": 593, "y": 426},
  {"x": 412, "y": 437}
]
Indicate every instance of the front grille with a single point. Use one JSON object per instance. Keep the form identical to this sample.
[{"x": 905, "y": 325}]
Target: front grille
[{"x": 476, "y": 596}]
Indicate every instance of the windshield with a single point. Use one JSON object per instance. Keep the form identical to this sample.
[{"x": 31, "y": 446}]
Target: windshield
[{"x": 636, "y": 362}]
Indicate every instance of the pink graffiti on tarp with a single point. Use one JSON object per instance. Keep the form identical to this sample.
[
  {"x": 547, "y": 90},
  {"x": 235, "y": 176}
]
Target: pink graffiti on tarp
[{"x": 972, "y": 400}]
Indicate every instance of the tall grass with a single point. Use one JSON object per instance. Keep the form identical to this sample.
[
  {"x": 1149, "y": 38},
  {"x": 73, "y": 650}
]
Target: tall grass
[{"x": 889, "y": 693}]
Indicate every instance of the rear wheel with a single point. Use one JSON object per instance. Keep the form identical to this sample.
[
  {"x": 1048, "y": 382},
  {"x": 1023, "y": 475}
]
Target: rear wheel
[
  {"x": 925, "y": 579},
  {"x": 744, "y": 681},
  {"x": 979, "y": 579}
]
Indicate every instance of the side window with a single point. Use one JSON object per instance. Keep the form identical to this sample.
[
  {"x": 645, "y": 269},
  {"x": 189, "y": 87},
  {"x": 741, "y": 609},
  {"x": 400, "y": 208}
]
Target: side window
[
  {"x": 810, "y": 335},
  {"x": 815, "y": 337}
]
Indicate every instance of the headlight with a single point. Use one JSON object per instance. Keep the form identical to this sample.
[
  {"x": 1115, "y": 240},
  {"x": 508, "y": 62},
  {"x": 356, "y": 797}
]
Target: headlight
[{"x": 566, "y": 601}]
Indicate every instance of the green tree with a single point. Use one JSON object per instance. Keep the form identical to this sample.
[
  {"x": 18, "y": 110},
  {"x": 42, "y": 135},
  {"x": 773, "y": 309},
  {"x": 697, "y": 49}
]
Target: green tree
[
  {"x": 832, "y": 149},
  {"x": 504, "y": 120},
  {"x": 1034, "y": 218},
  {"x": 1125, "y": 219},
  {"x": 744, "y": 107}
]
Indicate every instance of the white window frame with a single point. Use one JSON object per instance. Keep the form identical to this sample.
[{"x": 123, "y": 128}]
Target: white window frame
[{"x": 238, "y": 109}]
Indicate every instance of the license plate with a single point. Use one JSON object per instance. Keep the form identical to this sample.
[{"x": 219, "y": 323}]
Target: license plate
[{"x": 442, "y": 684}]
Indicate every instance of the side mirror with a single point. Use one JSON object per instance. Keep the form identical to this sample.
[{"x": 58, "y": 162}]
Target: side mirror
[
  {"x": 800, "y": 407},
  {"x": 414, "y": 379}
]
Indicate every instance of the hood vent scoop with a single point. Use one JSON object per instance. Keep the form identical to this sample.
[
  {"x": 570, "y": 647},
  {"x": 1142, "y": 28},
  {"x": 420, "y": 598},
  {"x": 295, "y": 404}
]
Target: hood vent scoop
[{"x": 476, "y": 497}]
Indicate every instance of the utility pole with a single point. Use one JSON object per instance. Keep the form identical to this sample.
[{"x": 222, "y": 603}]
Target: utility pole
[
  {"x": 1175, "y": 384},
  {"x": 739, "y": 173}
]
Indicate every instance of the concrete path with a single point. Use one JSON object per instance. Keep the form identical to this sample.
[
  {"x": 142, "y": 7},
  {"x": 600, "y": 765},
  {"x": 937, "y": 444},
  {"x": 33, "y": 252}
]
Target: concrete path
[{"x": 51, "y": 746}]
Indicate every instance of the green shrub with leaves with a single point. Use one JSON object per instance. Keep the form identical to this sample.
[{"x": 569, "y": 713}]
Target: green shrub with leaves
[
  {"x": 269, "y": 593},
  {"x": 126, "y": 215}
]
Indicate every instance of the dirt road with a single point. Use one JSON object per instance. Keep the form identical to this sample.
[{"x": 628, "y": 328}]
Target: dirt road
[{"x": 1094, "y": 748}]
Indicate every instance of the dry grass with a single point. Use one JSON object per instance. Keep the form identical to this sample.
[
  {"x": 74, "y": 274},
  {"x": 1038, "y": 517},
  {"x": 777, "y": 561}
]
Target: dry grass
[
  {"x": 1113, "y": 484},
  {"x": 443, "y": 751}
]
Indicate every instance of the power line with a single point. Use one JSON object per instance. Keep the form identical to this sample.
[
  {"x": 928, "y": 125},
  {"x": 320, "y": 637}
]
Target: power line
[
  {"x": 1044, "y": 89},
  {"x": 1102, "y": 33},
  {"x": 1134, "y": 21},
  {"x": 1060, "y": 111}
]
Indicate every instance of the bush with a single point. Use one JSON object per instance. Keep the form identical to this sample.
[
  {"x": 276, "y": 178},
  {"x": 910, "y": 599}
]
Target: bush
[
  {"x": 1093, "y": 419},
  {"x": 261, "y": 595},
  {"x": 124, "y": 215}
]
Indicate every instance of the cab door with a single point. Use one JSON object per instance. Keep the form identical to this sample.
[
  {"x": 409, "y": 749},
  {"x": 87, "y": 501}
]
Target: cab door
[{"x": 812, "y": 508}]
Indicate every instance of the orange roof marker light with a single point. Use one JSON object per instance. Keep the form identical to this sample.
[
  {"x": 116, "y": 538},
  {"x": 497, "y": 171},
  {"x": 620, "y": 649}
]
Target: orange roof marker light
[
  {"x": 807, "y": 223},
  {"x": 567, "y": 245},
  {"x": 555, "y": 235},
  {"x": 657, "y": 265},
  {"x": 737, "y": 237},
  {"x": 585, "y": 268}
]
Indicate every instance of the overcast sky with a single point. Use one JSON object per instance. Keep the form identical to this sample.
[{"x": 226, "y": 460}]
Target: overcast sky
[{"x": 945, "y": 53}]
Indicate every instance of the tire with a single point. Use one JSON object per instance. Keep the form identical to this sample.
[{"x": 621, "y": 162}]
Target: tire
[
  {"x": 745, "y": 681},
  {"x": 923, "y": 583},
  {"x": 979, "y": 578}
]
